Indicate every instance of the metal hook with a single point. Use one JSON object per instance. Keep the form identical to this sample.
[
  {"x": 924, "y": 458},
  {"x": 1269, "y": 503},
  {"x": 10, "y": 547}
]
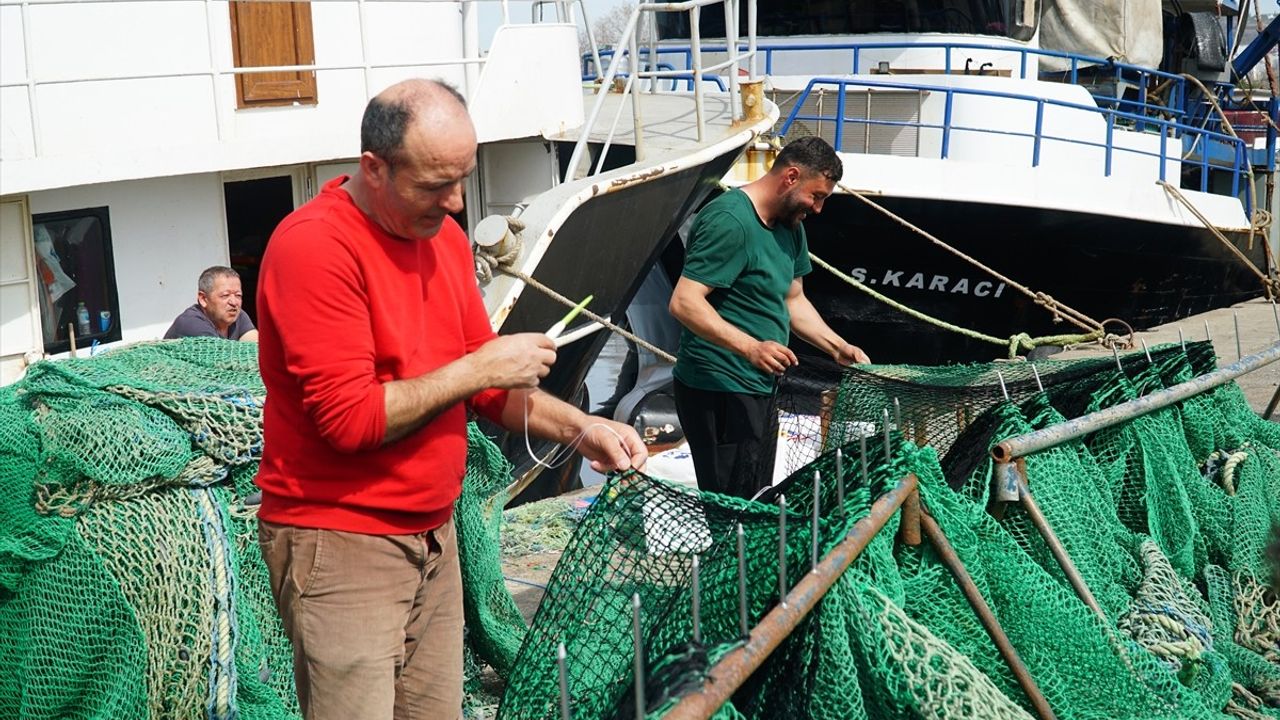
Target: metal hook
[
  {"x": 782, "y": 550},
  {"x": 1239, "y": 352},
  {"x": 697, "y": 600},
  {"x": 742, "y": 583},
  {"x": 839, "y": 482},
  {"x": 862, "y": 446},
  {"x": 888, "y": 456},
  {"x": 562, "y": 664},
  {"x": 638, "y": 643},
  {"x": 817, "y": 508}
]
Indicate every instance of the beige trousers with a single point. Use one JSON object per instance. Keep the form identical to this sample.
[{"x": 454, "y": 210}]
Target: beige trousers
[{"x": 375, "y": 620}]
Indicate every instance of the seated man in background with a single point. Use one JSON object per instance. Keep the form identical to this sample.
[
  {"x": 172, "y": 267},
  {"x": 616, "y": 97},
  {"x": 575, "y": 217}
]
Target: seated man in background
[{"x": 217, "y": 310}]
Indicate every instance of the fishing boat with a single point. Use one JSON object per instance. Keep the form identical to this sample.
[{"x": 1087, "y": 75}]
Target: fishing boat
[
  {"x": 1075, "y": 171},
  {"x": 145, "y": 141}
]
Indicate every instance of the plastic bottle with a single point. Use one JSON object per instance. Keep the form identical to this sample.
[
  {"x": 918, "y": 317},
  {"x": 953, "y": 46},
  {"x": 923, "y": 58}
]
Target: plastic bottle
[{"x": 83, "y": 328}]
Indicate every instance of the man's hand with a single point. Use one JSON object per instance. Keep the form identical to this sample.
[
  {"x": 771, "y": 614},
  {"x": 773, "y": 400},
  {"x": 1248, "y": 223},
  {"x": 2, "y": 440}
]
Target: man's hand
[
  {"x": 514, "y": 361},
  {"x": 612, "y": 446},
  {"x": 847, "y": 354},
  {"x": 771, "y": 357}
]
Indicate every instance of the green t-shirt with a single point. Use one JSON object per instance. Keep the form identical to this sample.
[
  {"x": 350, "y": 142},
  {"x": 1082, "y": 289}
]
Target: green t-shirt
[{"x": 750, "y": 267}]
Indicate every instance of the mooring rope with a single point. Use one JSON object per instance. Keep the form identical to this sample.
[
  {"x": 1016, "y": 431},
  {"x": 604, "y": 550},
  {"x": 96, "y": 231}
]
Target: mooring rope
[
  {"x": 1021, "y": 341},
  {"x": 1057, "y": 309},
  {"x": 1268, "y": 284},
  {"x": 504, "y": 263}
]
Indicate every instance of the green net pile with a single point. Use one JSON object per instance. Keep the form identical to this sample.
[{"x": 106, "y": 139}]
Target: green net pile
[
  {"x": 131, "y": 585},
  {"x": 1166, "y": 518}
]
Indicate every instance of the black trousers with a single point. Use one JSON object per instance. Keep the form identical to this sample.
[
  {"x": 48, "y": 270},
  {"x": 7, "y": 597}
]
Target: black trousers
[{"x": 733, "y": 438}]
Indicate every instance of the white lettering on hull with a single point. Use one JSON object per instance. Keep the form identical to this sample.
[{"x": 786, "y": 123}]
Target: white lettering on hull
[{"x": 935, "y": 283}]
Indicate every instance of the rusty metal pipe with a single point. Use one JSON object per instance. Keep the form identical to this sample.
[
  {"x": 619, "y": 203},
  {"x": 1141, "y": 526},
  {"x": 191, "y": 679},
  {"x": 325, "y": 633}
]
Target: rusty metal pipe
[
  {"x": 1059, "y": 552},
  {"x": 989, "y": 622},
  {"x": 1031, "y": 443},
  {"x": 727, "y": 675},
  {"x": 909, "y": 530}
]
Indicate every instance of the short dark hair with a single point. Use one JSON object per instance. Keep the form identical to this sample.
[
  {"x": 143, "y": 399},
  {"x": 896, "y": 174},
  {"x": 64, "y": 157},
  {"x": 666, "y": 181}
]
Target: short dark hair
[
  {"x": 811, "y": 154},
  {"x": 213, "y": 273},
  {"x": 384, "y": 123}
]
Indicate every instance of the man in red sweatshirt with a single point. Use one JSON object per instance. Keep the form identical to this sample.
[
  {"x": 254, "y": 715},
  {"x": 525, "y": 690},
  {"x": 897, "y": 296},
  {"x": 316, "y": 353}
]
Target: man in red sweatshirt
[{"x": 373, "y": 339}]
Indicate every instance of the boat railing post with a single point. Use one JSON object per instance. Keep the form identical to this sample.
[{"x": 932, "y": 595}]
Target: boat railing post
[
  {"x": 1111, "y": 126},
  {"x": 1204, "y": 161},
  {"x": 637, "y": 122},
  {"x": 731, "y": 48},
  {"x": 695, "y": 47},
  {"x": 946, "y": 123},
  {"x": 1035, "y": 151},
  {"x": 752, "y": 45},
  {"x": 840, "y": 100},
  {"x": 1164, "y": 150}
]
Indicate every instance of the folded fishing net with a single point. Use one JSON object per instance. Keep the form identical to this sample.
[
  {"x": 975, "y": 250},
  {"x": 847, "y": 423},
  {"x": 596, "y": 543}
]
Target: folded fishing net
[
  {"x": 1165, "y": 516},
  {"x": 131, "y": 584}
]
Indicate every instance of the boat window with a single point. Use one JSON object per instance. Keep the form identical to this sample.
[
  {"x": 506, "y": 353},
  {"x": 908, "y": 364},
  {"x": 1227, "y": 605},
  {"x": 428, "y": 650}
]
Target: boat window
[
  {"x": 77, "y": 288},
  {"x": 273, "y": 34},
  {"x": 784, "y": 18}
]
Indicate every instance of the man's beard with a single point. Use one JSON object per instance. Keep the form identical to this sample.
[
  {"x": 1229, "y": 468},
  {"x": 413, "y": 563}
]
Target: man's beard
[{"x": 793, "y": 212}]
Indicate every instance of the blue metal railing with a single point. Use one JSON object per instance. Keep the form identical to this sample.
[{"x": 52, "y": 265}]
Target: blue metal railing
[
  {"x": 1094, "y": 68},
  {"x": 1235, "y": 151}
]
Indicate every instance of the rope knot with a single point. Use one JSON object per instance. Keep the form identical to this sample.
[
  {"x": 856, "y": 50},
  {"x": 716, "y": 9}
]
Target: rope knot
[
  {"x": 498, "y": 245},
  {"x": 1021, "y": 341}
]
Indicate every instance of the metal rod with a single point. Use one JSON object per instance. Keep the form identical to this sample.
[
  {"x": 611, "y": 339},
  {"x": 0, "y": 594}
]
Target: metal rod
[
  {"x": 1147, "y": 350},
  {"x": 1116, "y": 352},
  {"x": 727, "y": 675},
  {"x": 1276, "y": 314},
  {"x": 1207, "y": 336},
  {"x": 1036, "y": 372},
  {"x": 1182, "y": 340},
  {"x": 862, "y": 447},
  {"x": 697, "y": 600},
  {"x": 839, "y": 481},
  {"x": 817, "y": 508},
  {"x": 742, "y": 583},
  {"x": 897, "y": 414},
  {"x": 1003, "y": 389},
  {"x": 909, "y": 530},
  {"x": 1055, "y": 546},
  {"x": 988, "y": 619},
  {"x": 1235, "y": 317},
  {"x": 782, "y": 548},
  {"x": 562, "y": 664},
  {"x": 1031, "y": 443},
  {"x": 638, "y": 644},
  {"x": 888, "y": 454}
]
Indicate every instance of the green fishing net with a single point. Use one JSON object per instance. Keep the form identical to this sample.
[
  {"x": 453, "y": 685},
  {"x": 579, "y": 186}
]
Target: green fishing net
[
  {"x": 1165, "y": 518},
  {"x": 131, "y": 584}
]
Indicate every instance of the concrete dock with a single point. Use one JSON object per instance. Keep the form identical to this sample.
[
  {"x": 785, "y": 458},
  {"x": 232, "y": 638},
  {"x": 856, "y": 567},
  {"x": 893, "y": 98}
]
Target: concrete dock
[{"x": 1259, "y": 330}]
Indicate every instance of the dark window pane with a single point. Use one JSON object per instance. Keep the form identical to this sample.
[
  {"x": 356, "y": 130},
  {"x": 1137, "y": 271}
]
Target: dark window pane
[{"x": 77, "y": 290}]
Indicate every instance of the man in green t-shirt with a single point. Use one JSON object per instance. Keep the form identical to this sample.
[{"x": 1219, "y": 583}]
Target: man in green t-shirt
[{"x": 739, "y": 298}]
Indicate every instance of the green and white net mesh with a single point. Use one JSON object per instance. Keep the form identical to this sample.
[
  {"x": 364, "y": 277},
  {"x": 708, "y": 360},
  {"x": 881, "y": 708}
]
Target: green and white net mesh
[
  {"x": 1166, "y": 518},
  {"x": 131, "y": 585}
]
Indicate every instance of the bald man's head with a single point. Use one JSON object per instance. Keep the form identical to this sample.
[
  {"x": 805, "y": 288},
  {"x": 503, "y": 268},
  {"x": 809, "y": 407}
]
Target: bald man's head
[{"x": 393, "y": 111}]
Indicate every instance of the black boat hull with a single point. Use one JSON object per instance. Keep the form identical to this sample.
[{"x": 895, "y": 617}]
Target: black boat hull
[{"x": 1143, "y": 273}]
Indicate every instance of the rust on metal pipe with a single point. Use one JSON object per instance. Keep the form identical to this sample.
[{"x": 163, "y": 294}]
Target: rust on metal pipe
[
  {"x": 989, "y": 622},
  {"x": 909, "y": 530},
  {"x": 1059, "y": 552},
  {"x": 1032, "y": 443},
  {"x": 728, "y": 674}
]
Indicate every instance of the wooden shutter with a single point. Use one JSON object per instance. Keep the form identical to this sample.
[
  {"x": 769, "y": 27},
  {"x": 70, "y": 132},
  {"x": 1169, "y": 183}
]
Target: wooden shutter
[{"x": 268, "y": 34}]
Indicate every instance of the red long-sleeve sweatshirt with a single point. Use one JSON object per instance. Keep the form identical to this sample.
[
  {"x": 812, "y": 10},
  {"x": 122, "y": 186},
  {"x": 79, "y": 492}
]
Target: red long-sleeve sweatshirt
[{"x": 343, "y": 307}]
